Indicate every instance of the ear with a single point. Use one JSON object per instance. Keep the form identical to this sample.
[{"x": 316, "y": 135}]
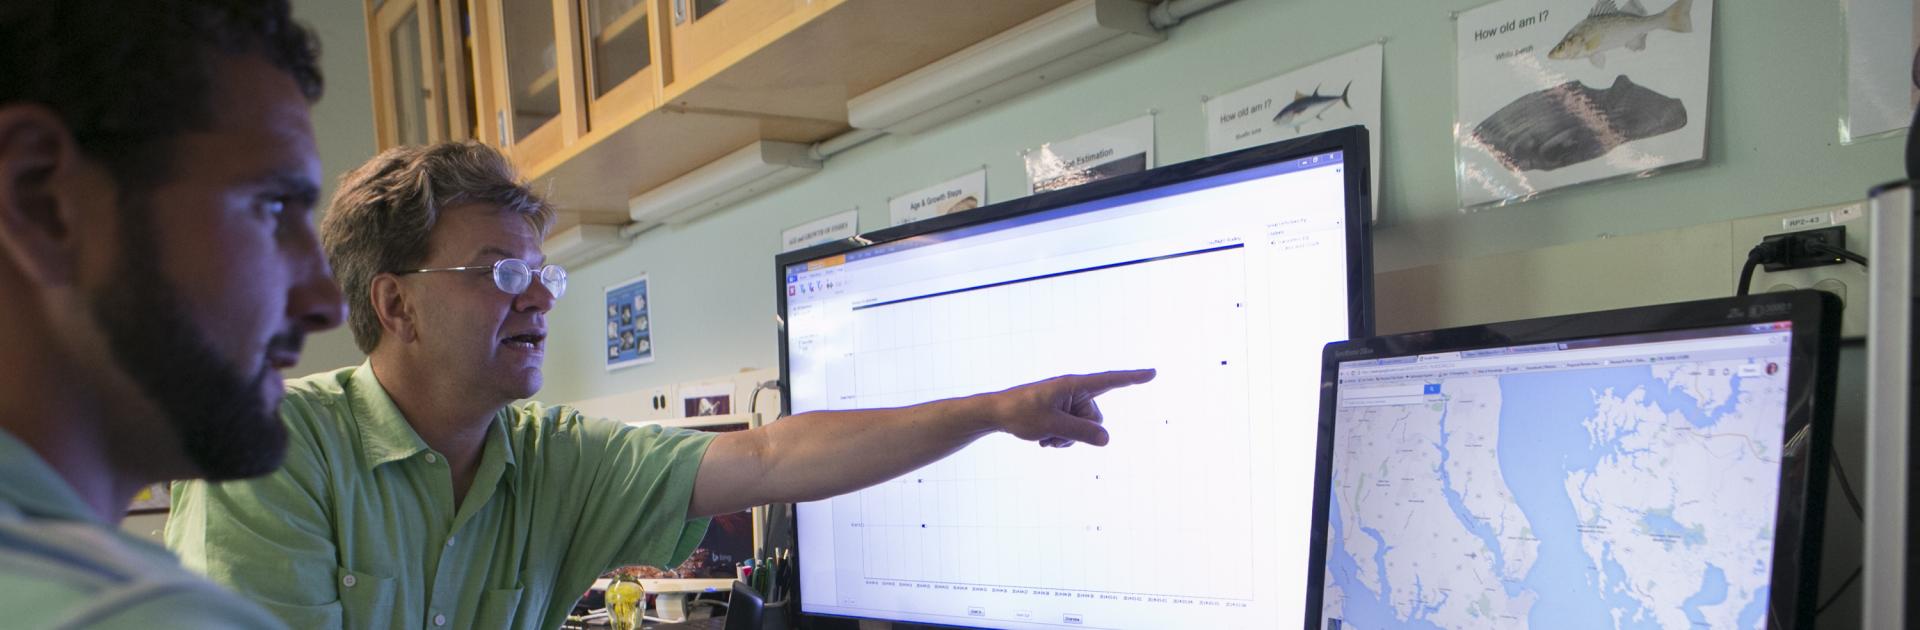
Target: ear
[
  {"x": 392, "y": 307},
  {"x": 38, "y": 156}
]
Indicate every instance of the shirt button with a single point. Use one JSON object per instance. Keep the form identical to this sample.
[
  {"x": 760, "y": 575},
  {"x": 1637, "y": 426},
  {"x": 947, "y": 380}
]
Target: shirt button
[
  {"x": 349, "y": 581},
  {"x": 432, "y": 458},
  {"x": 439, "y": 620},
  {"x": 449, "y": 541}
]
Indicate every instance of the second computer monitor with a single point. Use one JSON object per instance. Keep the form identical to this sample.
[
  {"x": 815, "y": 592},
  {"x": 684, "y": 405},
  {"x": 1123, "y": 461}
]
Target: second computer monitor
[{"x": 1659, "y": 467}]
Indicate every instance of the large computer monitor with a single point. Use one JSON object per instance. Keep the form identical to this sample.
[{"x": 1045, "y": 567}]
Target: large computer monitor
[
  {"x": 1891, "y": 585},
  {"x": 1659, "y": 467},
  {"x": 1227, "y": 274}
]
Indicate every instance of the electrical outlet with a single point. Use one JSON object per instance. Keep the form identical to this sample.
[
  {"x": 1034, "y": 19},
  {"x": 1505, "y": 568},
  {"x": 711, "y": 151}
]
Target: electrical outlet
[
  {"x": 651, "y": 404},
  {"x": 1807, "y": 251},
  {"x": 1849, "y": 281}
]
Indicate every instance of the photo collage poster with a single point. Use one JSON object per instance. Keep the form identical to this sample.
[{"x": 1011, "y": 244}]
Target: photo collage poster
[{"x": 629, "y": 324}]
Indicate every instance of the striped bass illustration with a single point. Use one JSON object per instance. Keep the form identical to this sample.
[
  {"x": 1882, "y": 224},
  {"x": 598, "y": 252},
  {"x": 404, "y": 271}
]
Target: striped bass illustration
[{"x": 1609, "y": 27}]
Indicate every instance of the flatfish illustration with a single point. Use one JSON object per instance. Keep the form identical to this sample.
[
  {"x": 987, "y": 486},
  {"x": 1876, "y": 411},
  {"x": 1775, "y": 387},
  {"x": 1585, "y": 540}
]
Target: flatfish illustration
[{"x": 1571, "y": 123}]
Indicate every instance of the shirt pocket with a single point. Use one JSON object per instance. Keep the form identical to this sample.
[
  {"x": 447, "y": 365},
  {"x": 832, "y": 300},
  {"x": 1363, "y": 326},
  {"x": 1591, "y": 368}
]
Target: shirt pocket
[
  {"x": 497, "y": 608},
  {"x": 366, "y": 600}
]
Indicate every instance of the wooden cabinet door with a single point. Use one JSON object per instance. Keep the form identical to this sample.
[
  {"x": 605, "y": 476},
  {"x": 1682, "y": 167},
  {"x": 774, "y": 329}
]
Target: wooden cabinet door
[
  {"x": 706, "y": 34},
  {"x": 537, "y": 77},
  {"x": 406, "y": 86},
  {"x": 620, "y": 50},
  {"x": 421, "y": 54}
]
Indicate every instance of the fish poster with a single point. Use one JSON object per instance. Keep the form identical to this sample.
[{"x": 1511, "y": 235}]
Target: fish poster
[
  {"x": 1881, "y": 86},
  {"x": 629, "y": 324},
  {"x": 1093, "y": 156},
  {"x": 1554, "y": 93},
  {"x": 1338, "y": 92},
  {"x": 959, "y": 194}
]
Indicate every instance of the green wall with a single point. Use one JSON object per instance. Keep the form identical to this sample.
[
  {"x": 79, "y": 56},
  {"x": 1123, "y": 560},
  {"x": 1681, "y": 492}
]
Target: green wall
[{"x": 1777, "y": 93}]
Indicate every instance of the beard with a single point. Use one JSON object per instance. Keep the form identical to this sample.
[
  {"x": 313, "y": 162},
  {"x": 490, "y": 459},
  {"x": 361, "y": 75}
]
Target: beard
[{"x": 225, "y": 428}]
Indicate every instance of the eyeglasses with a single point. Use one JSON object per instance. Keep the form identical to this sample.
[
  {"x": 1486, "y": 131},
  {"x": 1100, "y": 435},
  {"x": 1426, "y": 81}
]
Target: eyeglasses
[{"x": 513, "y": 276}]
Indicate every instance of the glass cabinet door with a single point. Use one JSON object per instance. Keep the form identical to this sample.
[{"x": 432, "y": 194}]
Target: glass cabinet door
[
  {"x": 405, "y": 67},
  {"x": 534, "y": 68},
  {"x": 619, "y": 43}
]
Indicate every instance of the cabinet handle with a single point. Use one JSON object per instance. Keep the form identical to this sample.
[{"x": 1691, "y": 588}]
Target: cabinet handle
[
  {"x": 500, "y": 117},
  {"x": 679, "y": 11}
]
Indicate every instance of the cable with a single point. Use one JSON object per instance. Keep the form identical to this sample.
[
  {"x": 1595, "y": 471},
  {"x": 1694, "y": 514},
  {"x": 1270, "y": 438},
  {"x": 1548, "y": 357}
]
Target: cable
[
  {"x": 753, "y": 399},
  {"x": 1765, "y": 252},
  {"x": 1780, "y": 250},
  {"x": 1746, "y": 275},
  {"x": 1851, "y": 578},
  {"x": 1839, "y": 252},
  {"x": 1846, "y": 488}
]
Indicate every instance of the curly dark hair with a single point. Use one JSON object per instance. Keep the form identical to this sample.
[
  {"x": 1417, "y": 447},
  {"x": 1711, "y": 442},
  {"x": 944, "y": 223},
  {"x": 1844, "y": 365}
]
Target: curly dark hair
[{"x": 128, "y": 77}]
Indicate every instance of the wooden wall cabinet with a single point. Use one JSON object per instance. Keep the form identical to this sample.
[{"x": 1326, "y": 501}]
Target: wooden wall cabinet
[{"x": 598, "y": 101}]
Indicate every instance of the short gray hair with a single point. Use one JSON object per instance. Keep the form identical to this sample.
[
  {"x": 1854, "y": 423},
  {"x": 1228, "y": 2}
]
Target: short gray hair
[{"x": 383, "y": 211}]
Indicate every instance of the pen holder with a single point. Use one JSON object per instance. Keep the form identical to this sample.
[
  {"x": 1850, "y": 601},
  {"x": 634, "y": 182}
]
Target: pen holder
[{"x": 775, "y": 615}]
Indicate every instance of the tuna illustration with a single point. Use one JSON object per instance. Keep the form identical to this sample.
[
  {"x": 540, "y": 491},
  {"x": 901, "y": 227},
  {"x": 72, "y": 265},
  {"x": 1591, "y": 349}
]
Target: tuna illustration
[
  {"x": 1609, "y": 27},
  {"x": 1571, "y": 123},
  {"x": 1315, "y": 102}
]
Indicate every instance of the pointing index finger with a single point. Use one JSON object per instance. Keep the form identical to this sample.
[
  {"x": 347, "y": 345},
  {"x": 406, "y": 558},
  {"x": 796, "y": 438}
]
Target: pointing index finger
[{"x": 1091, "y": 385}]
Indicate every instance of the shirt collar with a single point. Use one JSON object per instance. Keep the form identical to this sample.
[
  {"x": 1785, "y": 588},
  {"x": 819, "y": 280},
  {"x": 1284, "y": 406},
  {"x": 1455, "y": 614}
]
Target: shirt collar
[
  {"x": 385, "y": 435},
  {"x": 29, "y": 484}
]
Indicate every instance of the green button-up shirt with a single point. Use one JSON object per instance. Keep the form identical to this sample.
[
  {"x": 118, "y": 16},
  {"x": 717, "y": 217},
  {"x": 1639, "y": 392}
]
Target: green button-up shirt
[
  {"x": 61, "y": 567},
  {"x": 359, "y": 529}
]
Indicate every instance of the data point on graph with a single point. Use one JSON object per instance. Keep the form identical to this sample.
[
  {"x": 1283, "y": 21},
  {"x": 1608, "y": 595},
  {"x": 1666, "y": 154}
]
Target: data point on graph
[{"x": 1223, "y": 363}]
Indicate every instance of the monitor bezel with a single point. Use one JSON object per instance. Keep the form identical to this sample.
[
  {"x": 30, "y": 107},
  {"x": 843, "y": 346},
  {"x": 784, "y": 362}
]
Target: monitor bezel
[
  {"x": 1350, "y": 141},
  {"x": 1813, "y": 359}
]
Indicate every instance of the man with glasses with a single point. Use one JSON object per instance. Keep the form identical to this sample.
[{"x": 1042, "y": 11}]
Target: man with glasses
[
  {"x": 160, "y": 268},
  {"x": 417, "y": 493}
]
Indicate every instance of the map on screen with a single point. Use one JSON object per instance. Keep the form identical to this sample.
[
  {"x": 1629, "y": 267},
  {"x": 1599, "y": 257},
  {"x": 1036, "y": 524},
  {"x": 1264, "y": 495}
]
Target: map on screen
[{"x": 1613, "y": 483}]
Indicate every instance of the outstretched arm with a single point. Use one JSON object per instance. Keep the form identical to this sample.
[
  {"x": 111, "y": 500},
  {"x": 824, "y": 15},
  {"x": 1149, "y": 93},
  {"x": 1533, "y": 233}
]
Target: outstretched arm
[{"x": 827, "y": 453}]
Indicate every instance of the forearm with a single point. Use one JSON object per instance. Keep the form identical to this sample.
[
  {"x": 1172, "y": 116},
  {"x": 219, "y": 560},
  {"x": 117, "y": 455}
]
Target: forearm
[{"x": 822, "y": 454}]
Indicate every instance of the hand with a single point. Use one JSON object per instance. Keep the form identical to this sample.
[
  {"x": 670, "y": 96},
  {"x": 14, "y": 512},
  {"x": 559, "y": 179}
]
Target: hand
[{"x": 1059, "y": 411}]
